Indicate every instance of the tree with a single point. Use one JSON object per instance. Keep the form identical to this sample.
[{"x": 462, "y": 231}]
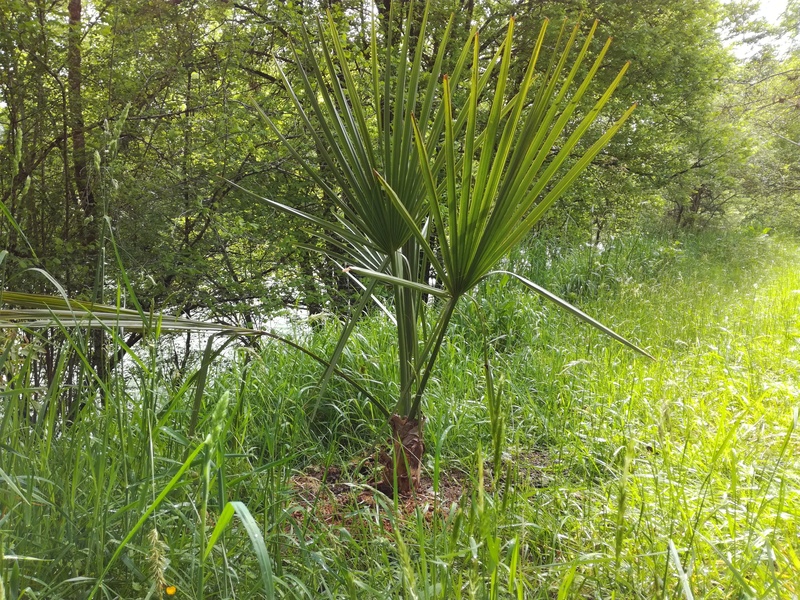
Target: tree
[
  {"x": 178, "y": 73},
  {"x": 765, "y": 98}
]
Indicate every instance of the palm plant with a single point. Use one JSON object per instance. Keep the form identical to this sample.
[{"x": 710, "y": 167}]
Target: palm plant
[{"x": 421, "y": 184}]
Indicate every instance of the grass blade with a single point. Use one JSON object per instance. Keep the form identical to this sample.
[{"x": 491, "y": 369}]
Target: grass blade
[
  {"x": 256, "y": 539},
  {"x": 676, "y": 561}
]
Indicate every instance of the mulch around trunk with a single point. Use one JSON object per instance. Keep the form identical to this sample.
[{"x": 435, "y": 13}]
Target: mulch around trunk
[{"x": 335, "y": 495}]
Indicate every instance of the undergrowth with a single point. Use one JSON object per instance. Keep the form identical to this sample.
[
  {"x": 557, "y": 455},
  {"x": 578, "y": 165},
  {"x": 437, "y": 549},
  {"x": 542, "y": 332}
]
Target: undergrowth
[{"x": 615, "y": 477}]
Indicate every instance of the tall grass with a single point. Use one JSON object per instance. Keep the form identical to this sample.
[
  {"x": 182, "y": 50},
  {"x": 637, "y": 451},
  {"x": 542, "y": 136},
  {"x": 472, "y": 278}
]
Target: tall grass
[{"x": 617, "y": 477}]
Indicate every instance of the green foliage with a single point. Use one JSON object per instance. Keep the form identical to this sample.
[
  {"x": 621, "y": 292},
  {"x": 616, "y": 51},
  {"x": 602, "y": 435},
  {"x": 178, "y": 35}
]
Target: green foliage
[
  {"x": 194, "y": 243},
  {"x": 767, "y": 96},
  {"x": 604, "y": 476},
  {"x": 161, "y": 94}
]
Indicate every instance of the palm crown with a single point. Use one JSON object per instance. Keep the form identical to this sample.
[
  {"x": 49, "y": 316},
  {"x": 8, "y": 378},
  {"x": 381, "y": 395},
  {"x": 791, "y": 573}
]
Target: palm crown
[{"x": 422, "y": 185}]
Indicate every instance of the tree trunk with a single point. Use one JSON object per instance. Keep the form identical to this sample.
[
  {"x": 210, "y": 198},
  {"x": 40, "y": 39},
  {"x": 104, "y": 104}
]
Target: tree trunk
[
  {"x": 404, "y": 466},
  {"x": 76, "y": 124},
  {"x": 86, "y": 200}
]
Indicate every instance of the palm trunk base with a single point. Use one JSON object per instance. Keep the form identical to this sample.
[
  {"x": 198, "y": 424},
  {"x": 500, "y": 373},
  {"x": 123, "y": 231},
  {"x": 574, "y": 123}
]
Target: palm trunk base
[{"x": 404, "y": 466}]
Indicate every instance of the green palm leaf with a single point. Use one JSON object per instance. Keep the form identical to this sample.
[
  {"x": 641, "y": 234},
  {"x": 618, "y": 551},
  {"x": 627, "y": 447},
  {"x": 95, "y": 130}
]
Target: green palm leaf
[{"x": 40, "y": 311}]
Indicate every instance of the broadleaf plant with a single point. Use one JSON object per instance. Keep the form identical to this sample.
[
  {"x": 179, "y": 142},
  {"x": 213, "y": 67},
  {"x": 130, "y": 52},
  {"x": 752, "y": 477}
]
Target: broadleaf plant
[{"x": 423, "y": 185}]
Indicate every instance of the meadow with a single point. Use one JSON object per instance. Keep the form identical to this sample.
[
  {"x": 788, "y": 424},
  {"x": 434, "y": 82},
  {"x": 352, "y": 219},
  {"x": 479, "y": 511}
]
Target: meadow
[{"x": 559, "y": 464}]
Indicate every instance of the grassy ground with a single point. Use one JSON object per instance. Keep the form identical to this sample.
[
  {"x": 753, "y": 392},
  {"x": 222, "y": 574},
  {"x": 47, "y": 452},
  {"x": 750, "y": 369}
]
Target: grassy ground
[{"x": 593, "y": 473}]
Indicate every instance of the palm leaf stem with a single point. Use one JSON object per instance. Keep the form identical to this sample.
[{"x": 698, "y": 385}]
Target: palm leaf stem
[
  {"x": 109, "y": 318},
  {"x": 431, "y": 353},
  {"x": 574, "y": 310}
]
